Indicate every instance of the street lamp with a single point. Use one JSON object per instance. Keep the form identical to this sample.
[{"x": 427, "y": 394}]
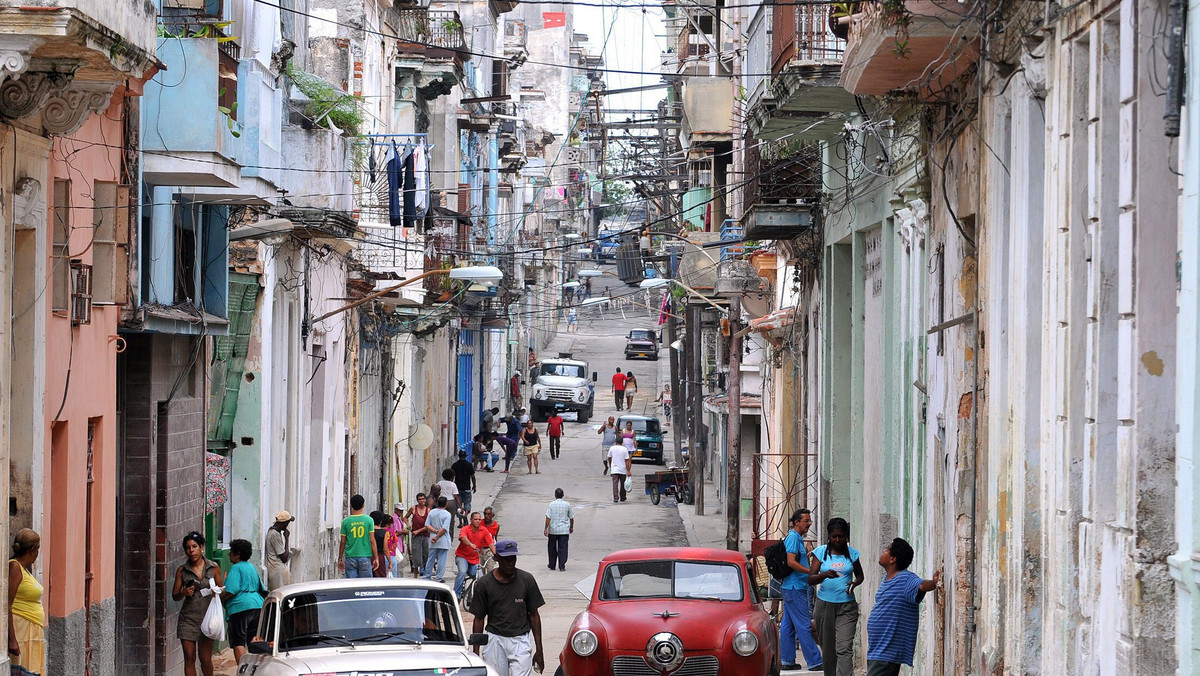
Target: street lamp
[{"x": 474, "y": 273}]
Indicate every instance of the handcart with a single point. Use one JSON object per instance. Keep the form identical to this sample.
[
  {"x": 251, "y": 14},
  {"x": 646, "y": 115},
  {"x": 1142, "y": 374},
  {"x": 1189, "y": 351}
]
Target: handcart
[{"x": 671, "y": 481}]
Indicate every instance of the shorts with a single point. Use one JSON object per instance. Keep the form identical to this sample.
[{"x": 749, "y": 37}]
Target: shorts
[
  {"x": 243, "y": 626},
  {"x": 533, "y": 450}
]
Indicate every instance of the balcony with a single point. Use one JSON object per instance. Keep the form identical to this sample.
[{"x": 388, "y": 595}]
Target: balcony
[
  {"x": 923, "y": 49},
  {"x": 784, "y": 193},
  {"x": 432, "y": 50},
  {"x": 514, "y": 37},
  {"x": 188, "y": 141},
  {"x": 707, "y": 110},
  {"x": 805, "y": 99}
]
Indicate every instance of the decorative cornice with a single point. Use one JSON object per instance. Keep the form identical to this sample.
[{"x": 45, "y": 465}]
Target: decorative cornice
[
  {"x": 66, "y": 110},
  {"x": 15, "y": 51},
  {"x": 25, "y": 96}
]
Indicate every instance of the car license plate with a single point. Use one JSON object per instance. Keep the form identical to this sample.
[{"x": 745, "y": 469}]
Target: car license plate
[
  {"x": 637, "y": 454},
  {"x": 641, "y": 354}
]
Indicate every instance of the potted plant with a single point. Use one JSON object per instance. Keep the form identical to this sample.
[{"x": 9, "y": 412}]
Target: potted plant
[{"x": 837, "y": 12}]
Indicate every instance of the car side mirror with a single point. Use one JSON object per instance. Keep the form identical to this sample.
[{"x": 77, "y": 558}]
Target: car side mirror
[
  {"x": 477, "y": 639},
  {"x": 260, "y": 648},
  {"x": 595, "y": 377}
]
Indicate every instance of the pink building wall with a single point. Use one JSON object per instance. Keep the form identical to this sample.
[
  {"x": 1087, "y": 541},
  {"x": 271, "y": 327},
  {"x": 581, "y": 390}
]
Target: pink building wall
[{"x": 81, "y": 380}]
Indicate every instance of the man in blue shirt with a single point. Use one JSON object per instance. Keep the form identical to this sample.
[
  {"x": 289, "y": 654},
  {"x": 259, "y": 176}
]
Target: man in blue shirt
[
  {"x": 797, "y": 616},
  {"x": 892, "y": 627}
]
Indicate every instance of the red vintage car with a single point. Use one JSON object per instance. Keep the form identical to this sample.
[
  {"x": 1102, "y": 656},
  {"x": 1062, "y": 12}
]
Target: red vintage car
[{"x": 678, "y": 611}]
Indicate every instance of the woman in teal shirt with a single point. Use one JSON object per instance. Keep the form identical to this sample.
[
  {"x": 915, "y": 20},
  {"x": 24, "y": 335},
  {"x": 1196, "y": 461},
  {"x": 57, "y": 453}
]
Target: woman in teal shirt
[
  {"x": 836, "y": 611},
  {"x": 243, "y": 597}
]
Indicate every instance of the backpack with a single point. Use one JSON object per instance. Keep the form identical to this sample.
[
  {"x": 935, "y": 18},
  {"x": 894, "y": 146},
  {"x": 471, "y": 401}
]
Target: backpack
[{"x": 776, "y": 556}]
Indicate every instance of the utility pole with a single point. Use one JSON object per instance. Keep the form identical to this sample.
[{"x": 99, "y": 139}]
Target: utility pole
[
  {"x": 733, "y": 431},
  {"x": 696, "y": 406},
  {"x": 678, "y": 400}
]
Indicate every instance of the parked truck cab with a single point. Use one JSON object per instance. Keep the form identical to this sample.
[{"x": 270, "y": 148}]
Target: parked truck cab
[{"x": 562, "y": 384}]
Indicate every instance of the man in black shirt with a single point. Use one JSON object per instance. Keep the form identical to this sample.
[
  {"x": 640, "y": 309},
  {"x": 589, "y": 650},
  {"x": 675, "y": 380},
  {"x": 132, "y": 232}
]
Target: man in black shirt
[
  {"x": 509, "y": 598},
  {"x": 464, "y": 480}
]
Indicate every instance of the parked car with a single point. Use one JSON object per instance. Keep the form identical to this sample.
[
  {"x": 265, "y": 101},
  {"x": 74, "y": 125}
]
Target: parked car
[
  {"x": 365, "y": 626},
  {"x": 672, "y": 610},
  {"x": 648, "y": 435},
  {"x": 609, "y": 240},
  {"x": 641, "y": 344}
]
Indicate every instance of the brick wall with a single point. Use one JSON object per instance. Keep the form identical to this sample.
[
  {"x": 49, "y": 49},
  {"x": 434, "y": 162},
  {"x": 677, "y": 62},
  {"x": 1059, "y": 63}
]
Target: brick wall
[{"x": 161, "y": 492}]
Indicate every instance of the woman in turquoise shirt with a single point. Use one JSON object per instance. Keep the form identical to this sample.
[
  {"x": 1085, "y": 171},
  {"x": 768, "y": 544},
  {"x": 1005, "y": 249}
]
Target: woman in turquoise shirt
[
  {"x": 243, "y": 597},
  {"x": 836, "y": 611}
]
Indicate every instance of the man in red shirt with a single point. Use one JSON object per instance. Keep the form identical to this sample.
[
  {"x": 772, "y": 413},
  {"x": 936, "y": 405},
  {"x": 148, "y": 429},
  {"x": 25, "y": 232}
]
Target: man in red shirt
[
  {"x": 554, "y": 430},
  {"x": 472, "y": 540},
  {"x": 618, "y": 384}
]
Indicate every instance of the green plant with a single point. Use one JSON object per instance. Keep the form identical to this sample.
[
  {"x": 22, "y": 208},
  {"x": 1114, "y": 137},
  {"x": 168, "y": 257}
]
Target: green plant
[
  {"x": 228, "y": 112},
  {"x": 209, "y": 30},
  {"x": 451, "y": 25},
  {"x": 327, "y": 106}
]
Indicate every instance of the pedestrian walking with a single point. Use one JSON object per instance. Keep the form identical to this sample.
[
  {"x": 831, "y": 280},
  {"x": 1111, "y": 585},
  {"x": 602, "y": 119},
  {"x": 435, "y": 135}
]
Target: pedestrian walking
[
  {"x": 243, "y": 597},
  {"x": 630, "y": 390},
  {"x": 797, "y": 614},
  {"x": 418, "y": 535},
  {"x": 522, "y": 416},
  {"x": 506, "y": 606},
  {"x": 554, "y": 430},
  {"x": 608, "y": 437},
  {"x": 620, "y": 465},
  {"x": 490, "y": 522},
  {"x": 509, "y": 444},
  {"x": 514, "y": 389},
  {"x": 572, "y": 321},
  {"x": 629, "y": 437},
  {"x": 836, "y": 610},
  {"x": 665, "y": 399},
  {"x": 560, "y": 523},
  {"x": 472, "y": 540},
  {"x": 449, "y": 490},
  {"x": 398, "y": 530},
  {"x": 438, "y": 524},
  {"x": 533, "y": 365},
  {"x": 618, "y": 387},
  {"x": 26, "y": 615},
  {"x": 464, "y": 481},
  {"x": 357, "y": 553},
  {"x": 193, "y": 588},
  {"x": 892, "y": 626},
  {"x": 277, "y": 551},
  {"x": 532, "y": 442}
]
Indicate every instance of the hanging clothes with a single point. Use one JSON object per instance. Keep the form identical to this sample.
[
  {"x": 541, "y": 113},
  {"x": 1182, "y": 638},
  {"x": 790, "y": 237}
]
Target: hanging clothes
[
  {"x": 395, "y": 176},
  {"x": 421, "y": 168},
  {"x": 371, "y": 163},
  {"x": 410, "y": 193}
]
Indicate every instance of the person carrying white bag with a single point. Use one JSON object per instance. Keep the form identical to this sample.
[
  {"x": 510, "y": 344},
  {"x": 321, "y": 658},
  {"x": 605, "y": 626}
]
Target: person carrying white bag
[{"x": 195, "y": 582}]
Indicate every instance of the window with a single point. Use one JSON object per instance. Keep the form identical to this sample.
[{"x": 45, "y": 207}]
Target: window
[
  {"x": 499, "y": 78},
  {"x": 107, "y": 276},
  {"x": 60, "y": 273}
]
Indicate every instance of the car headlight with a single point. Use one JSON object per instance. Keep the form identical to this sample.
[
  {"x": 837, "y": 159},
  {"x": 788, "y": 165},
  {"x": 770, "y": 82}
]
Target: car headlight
[
  {"x": 584, "y": 643},
  {"x": 581, "y": 397},
  {"x": 539, "y": 393},
  {"x": 653, "y": 445},
  {"x": 745, "y": 643}
]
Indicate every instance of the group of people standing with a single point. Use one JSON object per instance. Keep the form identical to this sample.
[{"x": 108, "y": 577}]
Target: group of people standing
[{"x": 835, "y": 570}]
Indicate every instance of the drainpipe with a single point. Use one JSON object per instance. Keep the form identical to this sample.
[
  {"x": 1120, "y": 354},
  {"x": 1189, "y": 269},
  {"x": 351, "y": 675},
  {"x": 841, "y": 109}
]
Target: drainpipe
[{"x": 493, "y": 194}]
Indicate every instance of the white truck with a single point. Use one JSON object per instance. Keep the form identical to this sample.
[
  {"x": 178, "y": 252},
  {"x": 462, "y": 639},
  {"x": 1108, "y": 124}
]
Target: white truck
[{"x": 562, "y": 384}]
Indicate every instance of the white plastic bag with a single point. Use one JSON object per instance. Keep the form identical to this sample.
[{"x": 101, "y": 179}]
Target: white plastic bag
[
  {"x": 628, "y": 484},
  {"x": 213, "y": 625}
]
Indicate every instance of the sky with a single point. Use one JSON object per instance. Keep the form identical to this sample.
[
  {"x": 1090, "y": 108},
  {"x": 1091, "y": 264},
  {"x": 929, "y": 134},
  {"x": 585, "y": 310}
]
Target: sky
[{"x": 635, "y": 43}]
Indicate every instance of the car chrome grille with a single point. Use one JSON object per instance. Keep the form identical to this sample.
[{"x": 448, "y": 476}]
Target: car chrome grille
[
  {"x": 560, "y": 393},
  {"x": 631, "y": 665}
]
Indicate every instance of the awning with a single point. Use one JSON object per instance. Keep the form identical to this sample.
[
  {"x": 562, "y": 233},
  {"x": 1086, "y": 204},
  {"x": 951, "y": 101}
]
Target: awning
[
  {"x": 771, "y": 324},
  {"x": 719, "y": 404}
]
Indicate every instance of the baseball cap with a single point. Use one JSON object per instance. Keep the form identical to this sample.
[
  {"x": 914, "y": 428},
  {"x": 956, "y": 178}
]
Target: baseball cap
[
  {"x": 506, "y": 548},
  {"x": 398, "y": 505},
  {"x": 282, "y": 516}
]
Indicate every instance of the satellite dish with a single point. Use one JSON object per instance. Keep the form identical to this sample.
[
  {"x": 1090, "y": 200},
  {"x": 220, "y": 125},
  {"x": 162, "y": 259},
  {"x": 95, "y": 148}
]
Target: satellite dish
[{"x": 422, "y": 437}]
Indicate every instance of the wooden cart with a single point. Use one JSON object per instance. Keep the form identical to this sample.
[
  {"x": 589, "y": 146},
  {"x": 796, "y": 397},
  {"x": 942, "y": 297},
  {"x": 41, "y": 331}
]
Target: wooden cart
[{"x": 669, "y": 482}]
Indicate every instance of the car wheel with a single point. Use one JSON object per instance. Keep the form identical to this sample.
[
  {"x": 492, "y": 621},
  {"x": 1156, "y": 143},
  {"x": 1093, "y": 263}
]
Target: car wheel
[
  {"x": 688, "y": 497},
  {"x": 582, "y": 416},
  {"x": 536, "y": 414},
  {"x": 655, "y": 494}
]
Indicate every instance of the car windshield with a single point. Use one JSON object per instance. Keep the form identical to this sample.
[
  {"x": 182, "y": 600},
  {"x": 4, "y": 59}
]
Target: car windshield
[
  {"x": 643, "y": 425},
  {"x": 641, "y": 334},
  {"x": 672, "y": 579},
  {"x": 332, "y": 617},
  {"x": 569, "y": 370}
]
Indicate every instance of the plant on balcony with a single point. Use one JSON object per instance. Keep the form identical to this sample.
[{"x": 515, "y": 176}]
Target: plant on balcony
[
  {"x": 451, "y": 25},
  {"x": 327, "y": 106},
  {"x": 228, "y": 112},
  {"x": 209, "y": 30},
  {"x": 838, "y": 11},
  {"x": 895, "y": 14}
]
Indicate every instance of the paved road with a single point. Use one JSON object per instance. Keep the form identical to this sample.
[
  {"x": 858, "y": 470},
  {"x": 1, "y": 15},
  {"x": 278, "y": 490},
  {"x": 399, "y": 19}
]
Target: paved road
[{"x": 600, "y": 525}]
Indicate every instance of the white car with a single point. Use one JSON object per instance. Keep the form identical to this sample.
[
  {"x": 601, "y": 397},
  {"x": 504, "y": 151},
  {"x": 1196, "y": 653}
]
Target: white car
[{"x": 368, "y": 627}]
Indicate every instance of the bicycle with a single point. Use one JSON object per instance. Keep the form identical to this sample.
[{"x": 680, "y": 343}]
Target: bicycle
[{"x": 486, "y": 565}]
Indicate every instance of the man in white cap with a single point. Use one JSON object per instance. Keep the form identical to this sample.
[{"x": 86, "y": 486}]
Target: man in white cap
[
  {"x": 509, "y": 599},
  {"x": 277, "y": 551}
]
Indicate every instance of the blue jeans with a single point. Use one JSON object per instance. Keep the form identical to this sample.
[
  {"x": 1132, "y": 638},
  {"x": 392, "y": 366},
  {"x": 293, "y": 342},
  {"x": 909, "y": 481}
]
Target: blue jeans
[
  {"x": 464, "y": 569},
  {"x": 464, "y": 499},
  {"x": 797, "y": 623},
  {"x": 358, "y": 566},
  {"x": 437, "y": 557}
]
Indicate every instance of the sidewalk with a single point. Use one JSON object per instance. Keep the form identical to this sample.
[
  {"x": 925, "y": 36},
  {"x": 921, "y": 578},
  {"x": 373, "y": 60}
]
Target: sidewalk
[{"x": 707, "y": 530}]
